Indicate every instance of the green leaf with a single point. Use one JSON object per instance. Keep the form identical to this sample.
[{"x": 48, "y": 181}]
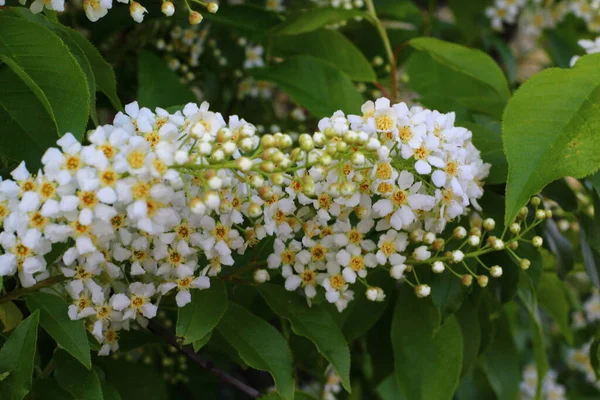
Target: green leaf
[
  {"x": 10, "y": 316},
  {"x": 158, "y": 85},
  {"x": 595, "y": 357},
  {"x": 501, "y": 361},
  {"x": 27, "y": 119},
  {"x": 70, "y": 335},
  {"x": 134, "y": 381},
  {"x": 552, "y": 297},
  {"x": 470, "y": 17},
  {"x": 489, "y": 143},
  {"x": 45, "y": 58},
  {"x": 554, "y": 115},
  {"x": 246, "y": 19},
  {"x": 17, "y": 356},
  {"x": 425, "y": 351},
  {"x": 468, "y": 319},
  {"x": 327, "y": 45},
  {"x": 314, "y": 84},
  {"x": 83, "y": 384},
  {"x": 199, "y": 344},
  {"x": 313, "y": 323},
  {"x": 48, "y": 389},
  {"x": 198, "y": 318},
  {"x": 260, "y": 346},
  {"x": 315, "y": 18},
  {"x": 449, "y": 76},
  {"x": 527, "y": 295}
]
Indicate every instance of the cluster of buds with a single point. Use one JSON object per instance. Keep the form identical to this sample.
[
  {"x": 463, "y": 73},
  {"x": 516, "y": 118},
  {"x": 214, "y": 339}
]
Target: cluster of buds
[{"x": 160, "y": 203}]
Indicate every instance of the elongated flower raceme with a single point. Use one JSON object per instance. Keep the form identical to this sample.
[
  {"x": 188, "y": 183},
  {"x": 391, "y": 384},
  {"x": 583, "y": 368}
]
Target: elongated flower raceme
[{"x": 160, "y": 203}]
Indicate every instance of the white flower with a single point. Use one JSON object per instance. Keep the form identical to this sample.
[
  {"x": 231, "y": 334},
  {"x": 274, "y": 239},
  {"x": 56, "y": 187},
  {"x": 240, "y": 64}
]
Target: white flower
[
  {"x": 254, "y": 57},
  {"x": 140, "y": 301},
  {"x": 421, "y": 253}
]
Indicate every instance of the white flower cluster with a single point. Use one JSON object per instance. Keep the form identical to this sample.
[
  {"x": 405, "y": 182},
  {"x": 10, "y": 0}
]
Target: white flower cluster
[
  {"x": 551, "y": 390},
  {"x": 96, "y": 9},
  {"x": 160, "y": 202},
  {"x": 533, "y": 16},
  {"x": 345, "y": 4},
  {"x": 579, "y": 360}
]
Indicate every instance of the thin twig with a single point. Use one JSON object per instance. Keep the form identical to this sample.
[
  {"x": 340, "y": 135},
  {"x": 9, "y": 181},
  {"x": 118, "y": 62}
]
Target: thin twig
[
  {"x": 206, "y": 364},
  {"x": 15, "y": 294}
]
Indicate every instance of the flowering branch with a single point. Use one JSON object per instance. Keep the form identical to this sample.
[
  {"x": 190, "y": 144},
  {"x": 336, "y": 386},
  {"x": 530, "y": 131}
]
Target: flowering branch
[
  {"x": 205, "y": 364},
  {"x": 40, "y": 285}
]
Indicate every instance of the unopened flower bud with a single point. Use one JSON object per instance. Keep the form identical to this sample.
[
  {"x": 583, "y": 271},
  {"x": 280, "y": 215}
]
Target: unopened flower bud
[
  {"x": 254, "y": 210},
  {"x": 261, "y": 275},
  {"x": 540, "y": 214},
  {"x": 215, "y": 183},
  {"x": 244, "y": 164},
  {"x": 197, "y": 206},
  {"x": 489, "y": 224},
  {"x": 195, "y": 18},
  {"x": 137, "y": 11},
  {"x": 212, "y": 7},
  {"x": 167, "y": 8},
  {"x": 524, "y": 263},
  {"x": 482, "y": 280},
  {"x": 397, "y": 271},
  {"x": 438, "y": 244},
  {"x": 438, "y": 267},
  {"x": 535, "y": 201},
  {"x": 421, "y": 253},
  {"x": 459, "y": 232},
  {"x": 475, "y": 231},
  {"x": 375, "y": 294},
  {"x": 496, "y": 271},
  {"x": 513, "y": 245},
  {"x": 515, "y": 228},
  {"x": 467, "y": 279},
  {"x": 549, "y": 213},
  {"x": 429, "y": 238},
  {"x": 181, "y": 157},
  {"x": 457, "y": 256},
  {"x": 422, "y": 290},
  {"x": 474, "y": 240}
]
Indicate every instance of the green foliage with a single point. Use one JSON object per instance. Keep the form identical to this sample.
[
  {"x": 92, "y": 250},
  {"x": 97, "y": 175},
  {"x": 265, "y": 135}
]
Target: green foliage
[
  {"x": 450, "y": 77},
  {"x": 158, "y": 85},
  {"x": 54, "y": 318},
  {"x": 554, "y": 116},
  {"x": 80, "y": 382},
  {"x": 319, "y": 43},
  {"x": 425, "y": 350},
  {"x": 197, "y": 319},
  {"x": 315, "y": 324},
  {"x": 489, "y": 142},
  {"x": 44, "y": 58},
  {"x": 314, "y": 84},
  {"x": 553, "y": 298},
  {"x": 10, "y": 316},
  {"x": 17, "y": 358},
  {"x": 260, "y": 346},
  {"x": 313, "y": 19}
]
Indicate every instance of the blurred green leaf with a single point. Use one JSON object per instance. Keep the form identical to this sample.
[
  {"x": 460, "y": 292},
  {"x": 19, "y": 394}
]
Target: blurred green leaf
[
  {"x": 83, "y": 384},
  {"x": 446, "y": 75},
  {"x": 260, "y": 345},
  {"x": 17, "y": 357},
  {"x": 134, "y": 380},
  {"x": 54, "y": 318},
  {"x": 327, "y": 45},
  {"x": 489, "y": 143},
  {"x": 314, "y": 84},
  {"x": 314, "y": 323},
  {"x": 552, "y": 297},
  {"x": 198, "y": 318},
  {"x": 315, "y": 18},
  {"x": 10, "y": 316},
  {"x": 158, "y": 85},
  {"x": 424, "y": 350}
]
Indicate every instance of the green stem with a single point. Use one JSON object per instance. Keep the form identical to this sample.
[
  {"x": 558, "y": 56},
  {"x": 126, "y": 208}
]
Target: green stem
[
  {"x": 15, "y": 294},
  {"x": 388, "y": 48}
]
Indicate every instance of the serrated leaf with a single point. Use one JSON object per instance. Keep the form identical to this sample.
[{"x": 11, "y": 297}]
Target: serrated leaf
[
  {"x": 260, "y": 346},
  {"x": 553, "y": 298},
  {"x": 313, "y": 323},
  {"x": 45, "y": 58},
  {"x": 10, "y": 316},
  {"x": 327, "y": 45},
  {"x": 450, "y": 76},
  {"x": 314, "y": 84},
  {"x": 315, "y": 18},
  {"x": 198, "y": 318},
  {"x": 81, "y": 383},
  {"x": 554, "y": 115},
  {"x": 16, "y": 357},
  {"x": 70, "y": 335},
  {"x": 425, "y": 351},
  {"x": 158, "y": 85}
]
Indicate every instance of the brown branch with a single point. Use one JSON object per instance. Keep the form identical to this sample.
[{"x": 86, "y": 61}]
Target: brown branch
[
  {"x": 206, "y": 364},
  {"x": 15, "y": 294}
]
